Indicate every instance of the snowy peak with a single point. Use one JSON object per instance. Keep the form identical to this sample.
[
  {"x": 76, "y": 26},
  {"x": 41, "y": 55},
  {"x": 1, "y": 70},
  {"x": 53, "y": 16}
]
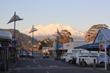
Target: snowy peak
[{"x": 52, "y": 28}]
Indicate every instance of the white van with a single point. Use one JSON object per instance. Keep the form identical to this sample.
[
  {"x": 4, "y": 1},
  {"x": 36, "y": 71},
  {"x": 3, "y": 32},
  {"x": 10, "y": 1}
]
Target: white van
[
  {"x": 86, "y": 56},
  {"x": 89, "y": 56},
  {"x": 71, "y": 55}
]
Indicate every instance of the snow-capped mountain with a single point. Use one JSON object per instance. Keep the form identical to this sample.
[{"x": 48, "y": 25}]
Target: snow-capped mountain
[{"x": 49, "y": 30}]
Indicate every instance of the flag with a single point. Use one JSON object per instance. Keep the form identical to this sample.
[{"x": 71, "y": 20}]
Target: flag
[
  {"x": 14, "y": 18},
  {"x": 33, "y": 29}
]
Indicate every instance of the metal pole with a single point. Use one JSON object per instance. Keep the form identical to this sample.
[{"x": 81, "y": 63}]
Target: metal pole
[
  {"x": 14, "y": 37},
  {"x": 57, "y": 46},
  {"x": 105, "y": 56},
  {"x": 32, "y": 40}
]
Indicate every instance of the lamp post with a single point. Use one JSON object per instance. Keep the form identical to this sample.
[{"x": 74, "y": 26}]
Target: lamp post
[
  {"x": 58, "y": 35},
  {"x": 32, "y": 31},
  {"x": 14, "y": 19}
]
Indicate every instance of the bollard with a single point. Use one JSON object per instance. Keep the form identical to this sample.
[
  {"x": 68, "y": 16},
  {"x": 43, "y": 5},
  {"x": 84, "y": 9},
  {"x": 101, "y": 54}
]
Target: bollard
[
  {"x": 94, "y": 64},
  {"x": 83, "y": 63}
]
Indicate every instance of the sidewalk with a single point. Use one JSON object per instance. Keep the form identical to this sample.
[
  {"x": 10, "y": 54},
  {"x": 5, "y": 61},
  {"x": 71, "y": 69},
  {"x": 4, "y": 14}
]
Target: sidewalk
[
  {"x": 11, "y": 66},
  {"x": 102, "y": 69},
  {"x": 99, "y": 69}
]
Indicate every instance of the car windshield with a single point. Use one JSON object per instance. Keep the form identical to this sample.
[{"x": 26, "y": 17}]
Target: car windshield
[
  {"x": 64, "y": 54},
  {"x": 72, "y": 54},
  {"x": 102, "y": 54}
]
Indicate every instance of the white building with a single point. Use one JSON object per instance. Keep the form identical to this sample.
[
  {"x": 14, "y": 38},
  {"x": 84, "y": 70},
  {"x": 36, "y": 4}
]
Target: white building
[
  {"x": 73, "y": 44},
  {"x": 69, "y": 46}
]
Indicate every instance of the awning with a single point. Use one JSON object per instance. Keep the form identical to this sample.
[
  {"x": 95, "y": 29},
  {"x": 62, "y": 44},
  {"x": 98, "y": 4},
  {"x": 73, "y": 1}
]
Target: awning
[
  {"x": 88, "y": 46},
  {"x": 5, "y": 35}
]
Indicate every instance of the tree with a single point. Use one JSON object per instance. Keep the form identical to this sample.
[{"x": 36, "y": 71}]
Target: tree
[
  {"x": 66, "y": 37},
  {"x": 92, "y": 32},
  {"x": 45, "y": 43}
]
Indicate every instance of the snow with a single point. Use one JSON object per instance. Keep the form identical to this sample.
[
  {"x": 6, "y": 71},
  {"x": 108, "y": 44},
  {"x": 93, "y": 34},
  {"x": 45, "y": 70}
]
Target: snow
[{"x": 52, "y": 28}]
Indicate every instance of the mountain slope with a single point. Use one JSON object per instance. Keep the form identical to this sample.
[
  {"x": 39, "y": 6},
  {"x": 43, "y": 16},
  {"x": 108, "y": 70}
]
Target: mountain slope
[
  {"x": 47, "y": 31},
  {"x": 24, "y": 39}
]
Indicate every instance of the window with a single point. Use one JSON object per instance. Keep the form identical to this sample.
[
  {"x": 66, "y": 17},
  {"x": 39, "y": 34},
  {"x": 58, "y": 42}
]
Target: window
[
  {"x": 83, "y": 54},
  {"x": 93, "y": 54},
  {"x": 102, "y": 54}
]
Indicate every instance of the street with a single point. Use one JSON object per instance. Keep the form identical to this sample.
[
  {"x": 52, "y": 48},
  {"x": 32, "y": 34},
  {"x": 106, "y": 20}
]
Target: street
[{"x": 48, "y": 65}]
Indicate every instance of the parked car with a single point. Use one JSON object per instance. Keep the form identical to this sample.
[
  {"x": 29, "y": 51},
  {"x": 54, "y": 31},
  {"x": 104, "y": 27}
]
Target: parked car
[
  {"x": 45, "y": 55},
  {"x": 35, "y": 53},
  {"x": 101, "y": 59},
  {"x": 26, "y": 54},
  {"x": 70, "y": 57},
  {"x": 30, "y": 54},
  {"x": 88, "y": 57},
  {"x": 23, "y": 54},
  {"x": 63, "y": 56}
]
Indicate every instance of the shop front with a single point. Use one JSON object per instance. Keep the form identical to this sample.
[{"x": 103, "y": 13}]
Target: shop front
[{"x": 5, "y": 39}]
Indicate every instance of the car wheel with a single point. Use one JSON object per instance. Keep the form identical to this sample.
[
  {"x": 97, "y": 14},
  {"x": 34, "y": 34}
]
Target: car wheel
[
  {"x": 83, "y": 64},
  {"x": 102, "y": 64},
  {"x": 70, "y": 61}
]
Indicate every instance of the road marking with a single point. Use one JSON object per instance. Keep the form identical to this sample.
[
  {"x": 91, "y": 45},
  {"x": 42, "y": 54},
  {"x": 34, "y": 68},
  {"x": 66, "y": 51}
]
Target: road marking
[
  {"x": 43, "y": 68},
  {"x": 39, "y": 65},
  {"x": 53, "y": 66},
  {"x": 34, "y": 61},
  {"x": 47, "y": 72}
]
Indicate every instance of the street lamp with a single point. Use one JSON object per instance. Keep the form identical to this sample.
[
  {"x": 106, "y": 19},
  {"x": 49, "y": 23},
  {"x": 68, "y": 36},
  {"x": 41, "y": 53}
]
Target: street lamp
[
  {"x": 58, "y": 35},
  {"x": 14, "y": 19},
  {"x": 32, "y": 31}
]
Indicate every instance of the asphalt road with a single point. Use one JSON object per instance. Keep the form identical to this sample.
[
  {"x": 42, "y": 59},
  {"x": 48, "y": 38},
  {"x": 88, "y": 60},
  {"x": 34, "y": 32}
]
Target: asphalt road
[{"x": 49, "y": 65}]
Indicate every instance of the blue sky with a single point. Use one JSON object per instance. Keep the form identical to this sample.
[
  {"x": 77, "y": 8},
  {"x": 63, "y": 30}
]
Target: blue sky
[{"x": 80, "y": 14}]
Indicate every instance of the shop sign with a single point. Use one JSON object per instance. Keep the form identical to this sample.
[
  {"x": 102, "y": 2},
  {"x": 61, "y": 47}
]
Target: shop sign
[
  {"x": 4, "y": 44},
  {"x": 67, "y": 45},
  {"x": 5, "y": 48}
]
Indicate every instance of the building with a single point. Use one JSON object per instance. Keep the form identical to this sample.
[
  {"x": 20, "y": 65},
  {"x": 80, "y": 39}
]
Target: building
[
  {"x": 5, "y": 39},
  {"x": 63, "y": 48}
]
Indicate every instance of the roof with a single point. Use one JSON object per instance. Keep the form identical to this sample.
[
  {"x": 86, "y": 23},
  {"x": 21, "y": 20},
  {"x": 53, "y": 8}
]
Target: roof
[
  {"x": 89, "y": 46},
  {"x": 106, "y": 33},
  {"x": 5, "y": 35}
]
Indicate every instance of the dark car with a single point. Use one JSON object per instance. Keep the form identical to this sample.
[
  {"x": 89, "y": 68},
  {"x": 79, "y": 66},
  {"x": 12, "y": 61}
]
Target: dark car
[{"x": 45, "y": 55}]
